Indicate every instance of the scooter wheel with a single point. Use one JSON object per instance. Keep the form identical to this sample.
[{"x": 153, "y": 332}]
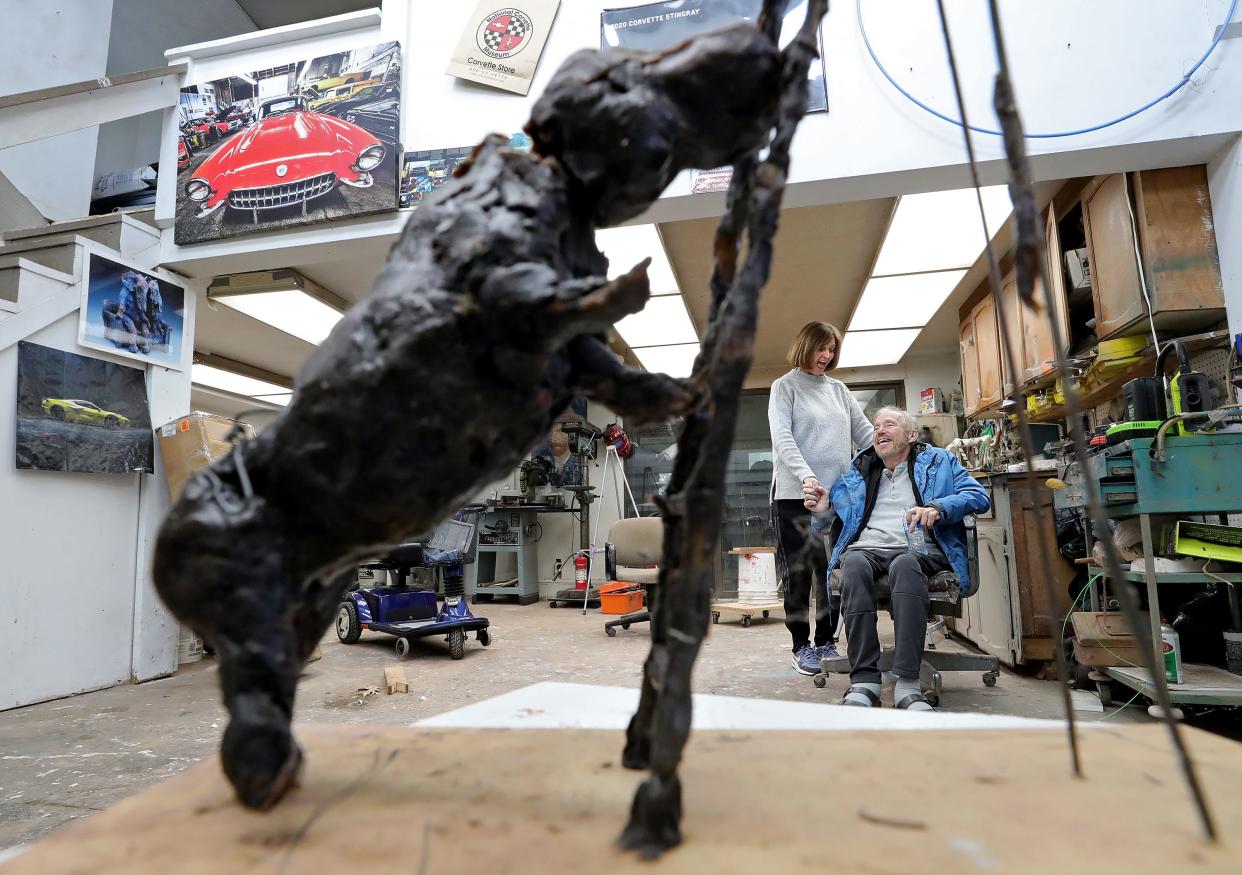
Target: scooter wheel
[
  {"x": 485, "y": 637},
  {"x": 457, "y": 643},
  {"x": 403, "y": 648}
]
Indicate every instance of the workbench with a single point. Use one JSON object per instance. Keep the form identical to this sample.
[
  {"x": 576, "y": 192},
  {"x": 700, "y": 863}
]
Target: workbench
[
  {"x": 1199, "y": 474},
  {"x": 507, "y": 531}
]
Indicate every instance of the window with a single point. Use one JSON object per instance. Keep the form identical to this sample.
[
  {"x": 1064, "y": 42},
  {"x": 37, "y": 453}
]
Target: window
[{"x": 872, "y": 396}]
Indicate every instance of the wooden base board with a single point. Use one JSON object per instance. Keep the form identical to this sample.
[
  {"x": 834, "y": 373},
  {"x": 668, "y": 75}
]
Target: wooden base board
[{"x": 553, "y": 801}]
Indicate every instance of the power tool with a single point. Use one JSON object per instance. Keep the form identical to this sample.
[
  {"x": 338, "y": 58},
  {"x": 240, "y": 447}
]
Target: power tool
[{"x": 1189, "y": 391}]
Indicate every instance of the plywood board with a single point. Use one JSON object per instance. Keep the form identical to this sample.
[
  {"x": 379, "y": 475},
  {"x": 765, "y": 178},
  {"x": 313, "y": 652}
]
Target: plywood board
[
  {"x": 553, "y": 801},
  {"x": 1179, "y": 240}
]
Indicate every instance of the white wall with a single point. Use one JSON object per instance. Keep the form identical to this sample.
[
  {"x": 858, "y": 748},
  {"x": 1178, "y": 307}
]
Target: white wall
[
  {"x": 1225, "y": 189},
  {"x": 141, "y": 31},
  {"x": 50, "y": 43},
  {"x": 915, "y": 372}
]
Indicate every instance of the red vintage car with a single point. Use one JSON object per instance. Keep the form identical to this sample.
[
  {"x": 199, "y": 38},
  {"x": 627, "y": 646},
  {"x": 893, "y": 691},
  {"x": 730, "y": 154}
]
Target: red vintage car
[
  {"x": 183, "y": 153},
  {"x": 288, "y": 157}
]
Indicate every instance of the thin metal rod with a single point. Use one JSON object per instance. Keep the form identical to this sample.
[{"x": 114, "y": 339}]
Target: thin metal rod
[
  {"x": 1044, "y": 563},
  {"x": 1015, "y": 151}
]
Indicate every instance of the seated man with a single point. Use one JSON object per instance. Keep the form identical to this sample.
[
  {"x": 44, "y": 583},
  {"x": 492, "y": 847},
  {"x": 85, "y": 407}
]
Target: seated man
[{"x": 894, "y": 490}]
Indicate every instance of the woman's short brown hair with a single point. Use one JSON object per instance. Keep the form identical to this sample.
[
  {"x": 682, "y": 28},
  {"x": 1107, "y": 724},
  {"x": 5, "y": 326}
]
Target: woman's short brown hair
[{"x": 812, "y": 336}]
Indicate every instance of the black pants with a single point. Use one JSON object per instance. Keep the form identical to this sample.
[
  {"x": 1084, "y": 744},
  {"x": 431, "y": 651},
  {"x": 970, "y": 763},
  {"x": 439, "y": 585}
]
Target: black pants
[
  {"x": 801, "y": 565},
  {"x": 908, "y": 574}
]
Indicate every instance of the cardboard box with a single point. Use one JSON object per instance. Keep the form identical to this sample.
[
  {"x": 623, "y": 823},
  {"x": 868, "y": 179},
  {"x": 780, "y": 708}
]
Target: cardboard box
[
  {"x": 932, "y": 401},
  {"x": 191, "y": 443}
]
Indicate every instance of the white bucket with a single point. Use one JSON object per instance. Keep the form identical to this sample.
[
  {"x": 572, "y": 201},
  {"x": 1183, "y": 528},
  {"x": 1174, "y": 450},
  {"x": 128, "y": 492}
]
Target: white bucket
[{"x": 756, "y": 578}]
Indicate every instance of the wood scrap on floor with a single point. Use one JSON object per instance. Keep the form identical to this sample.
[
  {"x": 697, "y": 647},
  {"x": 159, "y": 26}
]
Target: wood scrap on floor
[{"x": 394, "y": 680}]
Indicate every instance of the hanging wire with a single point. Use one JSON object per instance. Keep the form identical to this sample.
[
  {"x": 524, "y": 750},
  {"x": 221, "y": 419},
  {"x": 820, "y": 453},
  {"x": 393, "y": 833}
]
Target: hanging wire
[
  {"x": 1024, "y": 431},
  {"x": 1029, "y": 245},
  {"x": 1220, "y": 34}
]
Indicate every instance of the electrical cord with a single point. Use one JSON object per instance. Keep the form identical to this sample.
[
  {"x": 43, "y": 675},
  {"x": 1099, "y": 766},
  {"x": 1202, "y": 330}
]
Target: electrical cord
[
  {"x": 1233, "y": 5},
  {"x": 1086, "y": 589}
]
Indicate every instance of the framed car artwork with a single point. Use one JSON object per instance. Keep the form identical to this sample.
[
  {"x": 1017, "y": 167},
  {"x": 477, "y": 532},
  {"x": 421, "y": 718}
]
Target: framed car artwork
[
  {"x": 293, "y": 144},
  {"x": 134, "y": 313}
]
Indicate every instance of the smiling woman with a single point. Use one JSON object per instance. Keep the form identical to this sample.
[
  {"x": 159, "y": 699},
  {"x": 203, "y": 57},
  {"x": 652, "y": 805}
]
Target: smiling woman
[{"x": 813, "y": 419}]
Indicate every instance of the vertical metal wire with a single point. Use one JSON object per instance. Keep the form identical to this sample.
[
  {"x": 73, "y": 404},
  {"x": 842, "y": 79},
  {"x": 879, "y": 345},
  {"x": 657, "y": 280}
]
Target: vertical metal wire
[
  {"x": 1044, "y": 565},
  {"x": 1015, "y": 149}
]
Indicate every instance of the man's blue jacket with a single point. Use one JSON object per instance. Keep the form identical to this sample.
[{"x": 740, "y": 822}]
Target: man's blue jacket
[{"x": 939, "y": 481}]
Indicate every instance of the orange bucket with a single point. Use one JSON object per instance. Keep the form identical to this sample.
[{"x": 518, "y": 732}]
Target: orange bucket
[{"x": 619, "y": 597}]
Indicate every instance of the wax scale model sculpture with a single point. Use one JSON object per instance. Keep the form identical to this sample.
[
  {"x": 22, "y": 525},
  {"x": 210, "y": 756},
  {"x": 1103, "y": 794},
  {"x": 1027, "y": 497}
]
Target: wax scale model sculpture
[{"x": 486, "y": 320}]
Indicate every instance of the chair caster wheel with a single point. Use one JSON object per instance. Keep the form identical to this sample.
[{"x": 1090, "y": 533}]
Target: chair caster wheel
[
  {"x": 820, "y": 680},
  {"x": 933, "y": 699},
  {"x": 989, "y": 678},
  {"x": 715, "y": 616},
  {"x": 745, "y": 621},
  {"x": 765, "y": 615},
  {"x": 610, "y": 631},
  {"x": 403, "y": 648}
]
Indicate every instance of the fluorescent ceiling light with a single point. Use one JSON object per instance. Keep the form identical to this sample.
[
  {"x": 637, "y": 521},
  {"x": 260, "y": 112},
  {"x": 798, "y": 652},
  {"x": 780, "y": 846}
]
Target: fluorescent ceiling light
[
  {"x": 663, "y": 321},
  {"x": 864, "y": 349},
  {"x": 676, "y": 361},
  {"x": 293, "y": 312},
  {"x": 940, "y": 230},
  {"x": 239, "y": 384},
  {"x": 905, "y": 301},
  {"x": 627, "y": 246}
]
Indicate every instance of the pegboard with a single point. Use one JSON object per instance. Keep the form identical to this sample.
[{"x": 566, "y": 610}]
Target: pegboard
[{"x": 1214, "y": 363}]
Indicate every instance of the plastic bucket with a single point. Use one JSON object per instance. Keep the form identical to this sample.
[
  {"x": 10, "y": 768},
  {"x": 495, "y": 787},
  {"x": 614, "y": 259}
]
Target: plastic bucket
[{"x": 1233, "y": 651}]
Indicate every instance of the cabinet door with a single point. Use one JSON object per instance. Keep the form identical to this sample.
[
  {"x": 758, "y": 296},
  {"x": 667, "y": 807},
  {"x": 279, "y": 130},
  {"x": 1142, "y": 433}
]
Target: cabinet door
[
  {"x": 987, "y": 342},
  {"x": 991, "y": 626},
  {"x": 970, "y": 365},
  {"x": 1178, "y": 241},
  {"x": 1011, "y": 305},
  {"x": 1044, "y": 602},
  {"x": 1039, "y": 343},
  {"x": 1114, "y": 267}
]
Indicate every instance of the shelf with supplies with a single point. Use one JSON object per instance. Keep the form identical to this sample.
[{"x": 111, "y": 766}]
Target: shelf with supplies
[{"x": 1186, "y": 483}]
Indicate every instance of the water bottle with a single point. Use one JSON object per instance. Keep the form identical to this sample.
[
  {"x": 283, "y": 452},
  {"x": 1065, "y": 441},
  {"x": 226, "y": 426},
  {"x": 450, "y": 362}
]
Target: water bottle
[{"x": 915, "y": 539}]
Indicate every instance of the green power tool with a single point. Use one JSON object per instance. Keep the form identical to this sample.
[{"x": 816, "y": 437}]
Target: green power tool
[{"x": 1189, "y": 391}]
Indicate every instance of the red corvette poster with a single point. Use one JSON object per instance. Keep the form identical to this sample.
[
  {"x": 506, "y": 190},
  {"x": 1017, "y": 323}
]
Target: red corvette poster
[
  {"x": 294, "y": 144},
  {"x": 500, "y": 45}
]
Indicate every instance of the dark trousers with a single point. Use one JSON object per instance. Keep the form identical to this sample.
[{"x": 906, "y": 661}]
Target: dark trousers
[
  {"x": 802, "y": 565},
  {"x": 908, "y": 574}
]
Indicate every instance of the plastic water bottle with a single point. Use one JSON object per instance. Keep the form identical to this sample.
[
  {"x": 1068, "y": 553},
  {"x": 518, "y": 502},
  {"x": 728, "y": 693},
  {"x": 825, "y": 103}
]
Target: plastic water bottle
[{"x": 915, "y": 539}]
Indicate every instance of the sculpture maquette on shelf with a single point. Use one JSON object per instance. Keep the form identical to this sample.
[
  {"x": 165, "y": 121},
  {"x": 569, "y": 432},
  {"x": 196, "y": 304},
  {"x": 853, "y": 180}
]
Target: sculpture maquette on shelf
[{"x": 487, "y": 318}]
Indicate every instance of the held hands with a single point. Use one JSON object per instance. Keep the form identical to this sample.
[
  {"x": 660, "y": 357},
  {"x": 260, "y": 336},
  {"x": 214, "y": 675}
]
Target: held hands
[
  {"x": 814, "y": 496},
  {"x": 918, "y": 516}
]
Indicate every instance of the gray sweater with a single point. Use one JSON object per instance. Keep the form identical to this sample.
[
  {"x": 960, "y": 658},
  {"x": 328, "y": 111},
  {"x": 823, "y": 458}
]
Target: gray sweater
[{"x": 815, "y": 424}]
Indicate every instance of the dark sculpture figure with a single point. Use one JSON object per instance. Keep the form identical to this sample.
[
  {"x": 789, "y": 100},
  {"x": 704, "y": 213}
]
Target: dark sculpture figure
[{"x": 487, "y": 318}]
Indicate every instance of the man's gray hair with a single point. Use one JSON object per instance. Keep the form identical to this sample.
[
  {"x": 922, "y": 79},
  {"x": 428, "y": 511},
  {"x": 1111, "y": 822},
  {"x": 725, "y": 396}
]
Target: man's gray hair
[{"x": 907, "y": 420}]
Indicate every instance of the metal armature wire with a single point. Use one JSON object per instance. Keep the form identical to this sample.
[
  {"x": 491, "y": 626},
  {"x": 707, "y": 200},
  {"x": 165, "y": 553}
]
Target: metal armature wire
[
  {"x": 1029, "y": 258},
  {"x": 1045, "y": 565}
]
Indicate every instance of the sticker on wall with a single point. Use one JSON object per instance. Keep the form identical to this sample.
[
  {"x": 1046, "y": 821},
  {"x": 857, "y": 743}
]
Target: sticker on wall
[
  {"x": 715, "y": 179},
  {"x": 298, "y": 143},
  {"x": 81, "y": 414},
  {"x": 658, "y": 26},
  {"x": 133, "y": 313},
  {"x": 501, "y": 45}
]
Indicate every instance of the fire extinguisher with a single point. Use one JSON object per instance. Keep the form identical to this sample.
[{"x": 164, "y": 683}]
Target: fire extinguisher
[{"x": 580, "y": 571}]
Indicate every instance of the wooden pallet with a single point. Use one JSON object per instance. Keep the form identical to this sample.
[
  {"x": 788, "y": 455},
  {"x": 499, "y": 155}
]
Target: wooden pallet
[{"x": 746, "y": 610}]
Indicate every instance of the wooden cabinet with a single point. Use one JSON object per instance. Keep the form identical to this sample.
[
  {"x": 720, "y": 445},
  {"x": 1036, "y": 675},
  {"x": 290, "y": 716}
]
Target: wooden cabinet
[
  {"x": 979, "y": 342},
  {"x": 1180, "y": 267},
  {"x": 1015, "y": 613}
]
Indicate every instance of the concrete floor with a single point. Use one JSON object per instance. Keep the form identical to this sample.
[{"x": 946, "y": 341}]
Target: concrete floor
[{"x": 65, "y": 759}]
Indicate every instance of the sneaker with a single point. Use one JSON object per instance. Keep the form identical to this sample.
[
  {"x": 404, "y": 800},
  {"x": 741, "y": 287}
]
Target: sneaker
[
  {"x": 806, "y": 660},
  {"x": 827, "y": 651}
]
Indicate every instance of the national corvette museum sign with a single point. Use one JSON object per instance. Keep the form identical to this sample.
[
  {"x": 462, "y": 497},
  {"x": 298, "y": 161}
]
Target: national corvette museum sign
[{"x": 501, "y": 45}]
